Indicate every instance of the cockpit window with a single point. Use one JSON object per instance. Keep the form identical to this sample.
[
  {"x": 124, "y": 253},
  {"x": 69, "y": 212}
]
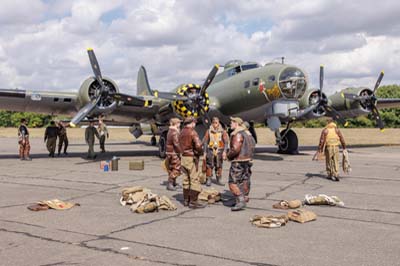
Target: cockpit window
[
  {"x": 292, "y": 82},
  {"x": 249, "y": 66}
]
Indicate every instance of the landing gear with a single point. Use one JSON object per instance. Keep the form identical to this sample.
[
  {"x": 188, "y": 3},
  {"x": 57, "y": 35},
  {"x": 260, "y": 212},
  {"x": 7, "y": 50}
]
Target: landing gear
[
  {"x": 162, "y": 145},
  {"x": 288, "y": 143},
  {"x": 153, "y": 141}
]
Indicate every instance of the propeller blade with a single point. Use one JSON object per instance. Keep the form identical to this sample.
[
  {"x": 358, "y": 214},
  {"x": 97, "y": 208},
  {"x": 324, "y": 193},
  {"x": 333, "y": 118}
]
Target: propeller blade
[
  {"x": 336, "y": 115},
  {"x": 205, "y": 118},
  {"x": 169, "y": 96},
  {"x": 95, "y": 66},
  {"x": 209, "y": 79},
  {"x": 377, "y": 117},
  {"x": 378, "y": 82},
  {"x": 130, "y": 100},
  {"x": 82, "y": 113},
  {"x": 321, "y": 79}
]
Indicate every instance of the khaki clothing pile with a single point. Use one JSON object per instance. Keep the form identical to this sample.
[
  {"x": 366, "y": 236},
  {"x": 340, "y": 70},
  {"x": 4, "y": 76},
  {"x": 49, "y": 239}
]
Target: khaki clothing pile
[
  {"x": 210, "y": 195},
  {"x": 269, "y": 221},
  {"x": 55, "y": 204},
  {"x": 142, "y": 200},
  {"x": 323, "y": 199},
  {"x": 287, "y": 204}
]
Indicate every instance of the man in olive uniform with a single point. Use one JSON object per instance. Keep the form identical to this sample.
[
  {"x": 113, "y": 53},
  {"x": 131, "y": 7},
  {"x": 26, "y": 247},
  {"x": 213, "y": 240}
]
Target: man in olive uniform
[
  {"x": 23, "y": 141},
  {"x": 191, "y": 151},
  {"x": 50, "y": 137},
  {"x": 62, "y": 138},
  {"x": 216, "y": 142},
  {"x": 173, "y": 153},
  {"x": 103, "y": 132},
  {"x": 240, "y": 154},
  {"x": 90, "y": 134},
  {"x": 329, "y": 142}
]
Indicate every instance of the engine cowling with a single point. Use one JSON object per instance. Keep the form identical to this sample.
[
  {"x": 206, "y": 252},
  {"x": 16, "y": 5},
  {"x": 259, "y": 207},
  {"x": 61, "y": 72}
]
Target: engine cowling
[
  {"x": 90, "y": 89},
  {"x": 194, "y": 105},
  {"x": 352, "y": 108},
  {"x": 309, "y": 98}
]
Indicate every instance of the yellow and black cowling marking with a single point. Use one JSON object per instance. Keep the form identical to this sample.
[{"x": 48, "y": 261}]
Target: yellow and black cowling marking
[{"x": 195, "y": 103}]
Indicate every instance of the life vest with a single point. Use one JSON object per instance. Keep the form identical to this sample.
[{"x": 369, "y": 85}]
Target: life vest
[
  {"x": 216, "y": 140},
  {"x": 332, "y": 138}
]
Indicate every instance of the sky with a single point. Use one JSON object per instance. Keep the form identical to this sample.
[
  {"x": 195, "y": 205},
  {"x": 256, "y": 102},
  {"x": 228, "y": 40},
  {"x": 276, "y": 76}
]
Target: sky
[{"x": 43, "y": 43}]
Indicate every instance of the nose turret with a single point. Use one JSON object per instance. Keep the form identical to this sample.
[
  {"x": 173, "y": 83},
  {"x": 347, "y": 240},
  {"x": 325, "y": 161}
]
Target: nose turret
[{"x": 292, "y": 82}]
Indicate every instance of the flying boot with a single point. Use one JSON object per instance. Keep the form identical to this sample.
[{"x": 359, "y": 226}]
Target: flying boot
[
  {"x": 240, "y": 205},
  {"x": 170, "y": 186},
  {"x": 208, "y": 174},
  {"x": 194, "y": 203},
  {"x": 218, "y": 175}
]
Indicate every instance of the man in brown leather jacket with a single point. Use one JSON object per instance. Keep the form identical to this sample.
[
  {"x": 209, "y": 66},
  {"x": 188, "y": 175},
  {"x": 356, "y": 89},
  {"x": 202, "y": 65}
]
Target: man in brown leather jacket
[
  {"x": 173, "y": 153},
  {"x": 329, "y": 142},
  {"x": 191, "y": 151},
  {"x": 240, "y": 154},
  {"x": 216, "y": 144}
]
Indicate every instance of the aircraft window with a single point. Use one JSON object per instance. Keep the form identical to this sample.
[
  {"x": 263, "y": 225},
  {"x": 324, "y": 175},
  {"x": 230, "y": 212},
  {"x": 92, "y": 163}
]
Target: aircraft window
[
  {"x": 67, "y": 100},
  {"x": 234, "y": 71},
  {"x": 56, "y": 99},
  {"x": 247, "y": 84},
  {"x": 249, "y": 66},
  {"x": 292, "y": 82},
  {"x": 256, "y": 81},
  {"x": 271, "y": 78}
]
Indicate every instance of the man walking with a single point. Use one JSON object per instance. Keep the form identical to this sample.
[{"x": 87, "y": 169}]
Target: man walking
[
  {"x": 240, "y": 154},
  {"x": 329, "y": 142},
  {"x": 50, "y": 136},
  {"x": 103, "y": 132},
  {"x": 62, "y": 138},
  {"x": 90, "y": 134},
  {"x": 191, "y": 150},
  {"x": 23, "y": 141},
  {"x": 216, "y": 142},
  {"x": 173, "y": 153}
]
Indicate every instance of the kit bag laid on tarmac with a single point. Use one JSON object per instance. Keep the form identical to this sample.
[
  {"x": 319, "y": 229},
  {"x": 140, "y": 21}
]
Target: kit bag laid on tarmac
[
  {"x": 302, "y": 216},
  {"x": 269, "y": 221}
]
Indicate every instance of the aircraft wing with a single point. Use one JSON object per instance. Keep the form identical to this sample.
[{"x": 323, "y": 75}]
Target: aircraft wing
[{"x": 383, "y": 103}]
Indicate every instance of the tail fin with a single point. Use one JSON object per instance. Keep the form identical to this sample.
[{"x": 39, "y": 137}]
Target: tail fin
[{"x": 143, "y": 86}]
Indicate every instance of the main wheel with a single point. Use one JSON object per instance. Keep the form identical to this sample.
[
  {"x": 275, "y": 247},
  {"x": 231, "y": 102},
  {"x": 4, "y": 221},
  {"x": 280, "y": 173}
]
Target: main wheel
[
  {"x": 162, "y": 145},
  {"x": 289, "y": 143}
]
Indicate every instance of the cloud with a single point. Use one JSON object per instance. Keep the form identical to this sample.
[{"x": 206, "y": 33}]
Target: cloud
[{"x": 43, "y": 43}]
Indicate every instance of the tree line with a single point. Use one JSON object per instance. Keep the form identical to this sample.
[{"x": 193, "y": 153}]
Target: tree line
[{"x": 391, "y": 117}]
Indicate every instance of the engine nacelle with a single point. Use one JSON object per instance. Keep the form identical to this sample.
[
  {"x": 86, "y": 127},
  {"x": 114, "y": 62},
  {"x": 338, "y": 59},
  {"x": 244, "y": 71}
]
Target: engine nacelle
[
  {"x": 90, "y": 89},
  {"x": 193, "y": 106},
  {"x": 351, "y": 108},
  {"x": 309, "y": 98}
]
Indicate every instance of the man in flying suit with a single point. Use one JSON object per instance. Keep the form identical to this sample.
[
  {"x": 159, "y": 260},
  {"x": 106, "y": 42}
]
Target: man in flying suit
[
  {"x": 173, "y": 153},
  {"x": 90, "y": 134},
  {"x": 23, "y": 141},
  {"x": 192, "y": 149},
  {"x": 50, "y": 137},
  {"x": 103, "y": 132},
  {"x": 329, "y": 142},
  {"x": 216, "y": 142},
  {"x": 62, "y": 138},
  {"x": 240, "y": 154}
]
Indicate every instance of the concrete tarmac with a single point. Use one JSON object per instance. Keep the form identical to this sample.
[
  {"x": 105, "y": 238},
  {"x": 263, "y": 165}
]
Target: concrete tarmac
[{"x": 102, "y": 232}]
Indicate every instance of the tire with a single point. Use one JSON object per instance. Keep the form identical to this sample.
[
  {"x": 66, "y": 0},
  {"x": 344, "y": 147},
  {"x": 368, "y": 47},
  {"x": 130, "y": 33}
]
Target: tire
[
  {"x": 290, "y": 143},
  {"x": 162, "y": 145}
]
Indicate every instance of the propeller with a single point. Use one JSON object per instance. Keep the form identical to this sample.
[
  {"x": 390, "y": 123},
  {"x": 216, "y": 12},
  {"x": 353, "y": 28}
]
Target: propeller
[
  {"x": 103, "y": 94},
  {"x": 369, "y": 101},
  {"x": 323, "y": 101}
]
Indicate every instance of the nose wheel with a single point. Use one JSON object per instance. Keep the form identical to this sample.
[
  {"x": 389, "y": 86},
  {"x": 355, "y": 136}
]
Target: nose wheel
[{"x": 288, "y": 142}]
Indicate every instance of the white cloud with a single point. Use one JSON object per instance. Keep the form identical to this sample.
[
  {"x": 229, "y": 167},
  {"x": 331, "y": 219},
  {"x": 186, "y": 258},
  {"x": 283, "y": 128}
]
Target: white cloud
[{"x": 43, "y": 43}]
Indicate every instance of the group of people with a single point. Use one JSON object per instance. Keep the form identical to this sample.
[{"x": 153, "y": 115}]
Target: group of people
[
  {"x": 54, "y": 131},
  {"x": 59, "y": 130},
  {"x": 184, "y": 150},
  {"x": 91, "y": 133}
]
